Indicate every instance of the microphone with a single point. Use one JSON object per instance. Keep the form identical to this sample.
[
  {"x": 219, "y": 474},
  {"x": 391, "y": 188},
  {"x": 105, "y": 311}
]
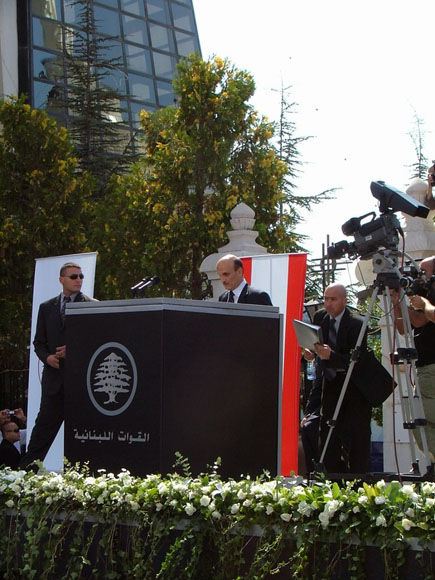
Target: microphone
[
  {"x": 137, "y": 286},
  {"x": 150, "y": 282}
]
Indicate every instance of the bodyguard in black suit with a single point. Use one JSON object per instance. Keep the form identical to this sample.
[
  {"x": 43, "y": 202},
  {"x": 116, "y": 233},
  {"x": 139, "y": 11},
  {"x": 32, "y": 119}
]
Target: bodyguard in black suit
[
  {"x": 230, "y": 271},
  {"x": 50, "y": 348},
  {"x": 349, "y": 447}
]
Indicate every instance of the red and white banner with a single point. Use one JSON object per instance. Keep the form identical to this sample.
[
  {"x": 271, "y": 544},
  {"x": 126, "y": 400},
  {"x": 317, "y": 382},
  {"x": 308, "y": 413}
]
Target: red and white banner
[{"x": 283, "y": 277}]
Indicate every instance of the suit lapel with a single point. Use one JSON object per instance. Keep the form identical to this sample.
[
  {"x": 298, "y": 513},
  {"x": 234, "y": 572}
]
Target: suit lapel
[{"x": 243, "y": 294}]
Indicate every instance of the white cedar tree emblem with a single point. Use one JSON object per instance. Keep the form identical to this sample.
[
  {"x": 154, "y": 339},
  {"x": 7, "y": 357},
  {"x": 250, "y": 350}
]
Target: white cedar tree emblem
[{"x": 111, "y": 377}]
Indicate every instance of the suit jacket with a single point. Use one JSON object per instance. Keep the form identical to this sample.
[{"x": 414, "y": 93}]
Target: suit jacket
[
  {"x": 250, "y": 295},
  {"x": 9, "y": 454},
  {"x": 347, "y": 337},
  {"x": 49, "y": 335}
]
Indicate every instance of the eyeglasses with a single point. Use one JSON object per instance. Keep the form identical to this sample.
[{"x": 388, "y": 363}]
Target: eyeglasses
[
  {"x": 75, "y": 276},
  {"x": 12, "y": 431}
]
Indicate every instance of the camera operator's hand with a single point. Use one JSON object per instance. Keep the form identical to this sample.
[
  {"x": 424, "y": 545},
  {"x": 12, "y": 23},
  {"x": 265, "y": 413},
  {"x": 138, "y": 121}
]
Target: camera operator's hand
[{"x": 423, "y": 304}]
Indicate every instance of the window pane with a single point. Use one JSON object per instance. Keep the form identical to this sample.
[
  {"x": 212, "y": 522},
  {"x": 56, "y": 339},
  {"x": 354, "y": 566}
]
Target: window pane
[
  {"x": 107, "y": 21},
  {"x": 138, "y": 58},
  {"x": 164, "y": 65},
  {"x": 141, "y": 88},
  {"x": 133, "y": 6},
  {"x": 47, "y": 34},
  {"x": 158, "y": 10},
  {"x": 49, "y": 9},
  {"x": 72, "y": 11},
  {"x": 165, "y": 93},
  {"x": 112, "y": 50},
  {"x": 186, "y": 44},
  {"x": 47, "y": 96},
  {"x": 161, "y": 38},
  {"x": 112, "y": 3},
  {"x": 47, "y": 66},
  {"x": 114, "y": 79},
  {"x": 183, "y": 18},
  {"x": 135, "y": 30}
]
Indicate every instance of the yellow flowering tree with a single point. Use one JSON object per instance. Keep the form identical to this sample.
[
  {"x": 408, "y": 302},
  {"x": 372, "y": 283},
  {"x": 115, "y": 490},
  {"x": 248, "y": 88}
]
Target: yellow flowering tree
[
  {"x": 42, "y": 213},
  {"x": 202, "y": 156}
]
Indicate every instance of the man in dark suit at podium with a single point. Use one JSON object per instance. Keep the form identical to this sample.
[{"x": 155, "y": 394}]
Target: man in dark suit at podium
[
  {"x": 230, "y": 270},
  {"x": 50, "y": 348}
]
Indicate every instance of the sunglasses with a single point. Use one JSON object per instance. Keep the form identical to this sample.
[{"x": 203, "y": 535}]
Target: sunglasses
[{"x": 75, "y": 276}]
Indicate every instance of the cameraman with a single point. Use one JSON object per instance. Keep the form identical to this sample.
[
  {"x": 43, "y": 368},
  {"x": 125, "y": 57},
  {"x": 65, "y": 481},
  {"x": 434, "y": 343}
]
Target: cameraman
[{"x": 422, "y": 317}]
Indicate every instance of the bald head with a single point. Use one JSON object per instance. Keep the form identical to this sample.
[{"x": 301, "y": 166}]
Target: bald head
[
  {"x": 427, "y": 265},
  {"x": 335, "y": 299},
  {"x": 230, "y": 271}
]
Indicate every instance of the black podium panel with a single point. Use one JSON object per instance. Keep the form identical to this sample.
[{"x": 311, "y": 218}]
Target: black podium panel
[{"x": 147, "y": 378}]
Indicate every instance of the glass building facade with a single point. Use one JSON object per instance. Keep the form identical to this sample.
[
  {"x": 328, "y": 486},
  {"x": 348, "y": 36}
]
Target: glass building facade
[{"x": 146, "y": 37}]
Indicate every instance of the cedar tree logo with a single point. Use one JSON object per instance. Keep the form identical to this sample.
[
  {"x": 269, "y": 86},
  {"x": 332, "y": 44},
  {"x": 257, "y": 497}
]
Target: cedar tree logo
[{"x": 111, "y": 378}]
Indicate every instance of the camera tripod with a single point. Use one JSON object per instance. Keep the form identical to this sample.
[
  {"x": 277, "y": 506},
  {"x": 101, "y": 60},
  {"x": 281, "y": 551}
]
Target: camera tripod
[{"x": 387, "y": 279}]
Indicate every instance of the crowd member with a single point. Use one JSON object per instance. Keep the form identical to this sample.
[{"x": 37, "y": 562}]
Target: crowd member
[
  {"x": 348, "y": 450},
  {"x": 421, "y": 315},
  {"x": 230, "y": 271},
  {"x": 49, "y": 343},
  {"x": 9, "y": 454}
]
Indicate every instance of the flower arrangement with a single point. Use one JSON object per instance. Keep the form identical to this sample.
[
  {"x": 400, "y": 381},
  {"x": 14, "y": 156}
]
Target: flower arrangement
[{"x": 76, "y": 525}]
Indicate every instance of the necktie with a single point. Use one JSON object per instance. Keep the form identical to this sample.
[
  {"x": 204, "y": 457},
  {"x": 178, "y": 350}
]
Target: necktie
[
  {"x": 65, "y": 300},
  {"x": 230, "y": 296},
  {"x": 330, "y": 373},
  {"x": 332, "y": 336}
]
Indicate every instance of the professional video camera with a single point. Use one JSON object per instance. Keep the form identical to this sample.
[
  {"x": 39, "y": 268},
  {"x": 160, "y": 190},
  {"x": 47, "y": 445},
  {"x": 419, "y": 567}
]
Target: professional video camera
[
  {"x": 415, "y": 281},
  {"x": 381, "y": 232}
]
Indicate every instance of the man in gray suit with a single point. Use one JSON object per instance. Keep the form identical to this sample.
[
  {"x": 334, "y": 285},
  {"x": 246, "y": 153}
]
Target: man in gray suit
[
  {"x": 230, "y": 271},
  {"x": 50, "y": 348}
]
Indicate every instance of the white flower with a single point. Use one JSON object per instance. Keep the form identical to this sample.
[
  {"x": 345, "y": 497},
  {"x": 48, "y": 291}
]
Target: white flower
[
  {"x": 10, "y": 503},
  {"x": 286, "y": 517},
  {"x": 332, "y": 506},
  {"x": 363, "y": 499},
  {"x": 304, "y": 508},
  {"x": 235, "y": 508},
  {"x": 205, "y": 500},
  {"x": 159, "y": 506},
  {"x": 356, "y": 509},
  {"x": 379, "y": 499},
  {"x": 410, "y": 513},
  {"x": 241, "y": 494},
  {"x": 407, "y": 524},
  {"x": 216, "y": 515},
  {"x": 430, "y": 501},
  {"x": 324, "y": 519},
  {"x": 381, "y": 521},
  {"x": 247, "y": 503},
  {"x": 269, "y": 509},
  {"x": 190, "y": 509},
  {"x": 380, "y": 484},
  {"x": 343, "y": 517}
]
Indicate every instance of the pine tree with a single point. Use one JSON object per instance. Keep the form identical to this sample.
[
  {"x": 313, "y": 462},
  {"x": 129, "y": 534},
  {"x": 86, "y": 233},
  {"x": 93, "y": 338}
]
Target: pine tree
[{"x": 101, "y": 139}]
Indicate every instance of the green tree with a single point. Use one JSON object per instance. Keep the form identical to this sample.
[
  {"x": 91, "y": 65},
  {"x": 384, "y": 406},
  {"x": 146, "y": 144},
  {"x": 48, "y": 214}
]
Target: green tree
[
  {"x": 43, "y": 208},
  {"x": 101, "y": 139},
  {"x": 202, "y": 157}
]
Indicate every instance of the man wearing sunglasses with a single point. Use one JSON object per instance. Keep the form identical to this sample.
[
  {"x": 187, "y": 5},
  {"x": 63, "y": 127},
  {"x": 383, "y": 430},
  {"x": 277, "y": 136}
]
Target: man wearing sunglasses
[
  {"x": 9, "y": 454},
  {"x": 50, "y": 348}
]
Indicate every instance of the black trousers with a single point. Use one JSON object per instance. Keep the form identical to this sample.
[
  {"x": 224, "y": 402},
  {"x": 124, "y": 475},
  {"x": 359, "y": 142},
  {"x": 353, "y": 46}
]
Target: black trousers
[
  {"x": 310, "y": 440},
  {"x": 47, "y": 425},
  {"x": 348, "y": 450}
]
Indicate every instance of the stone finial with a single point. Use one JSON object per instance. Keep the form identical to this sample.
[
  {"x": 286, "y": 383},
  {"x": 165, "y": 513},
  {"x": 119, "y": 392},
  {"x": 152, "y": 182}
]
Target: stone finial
[{"x": 242, "y": 243}]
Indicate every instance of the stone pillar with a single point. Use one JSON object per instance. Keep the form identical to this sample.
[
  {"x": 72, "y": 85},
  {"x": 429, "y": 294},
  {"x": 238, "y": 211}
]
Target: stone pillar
[
  {"x": 419, "y": 243},
  {"x": 242, "y": 243}
]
